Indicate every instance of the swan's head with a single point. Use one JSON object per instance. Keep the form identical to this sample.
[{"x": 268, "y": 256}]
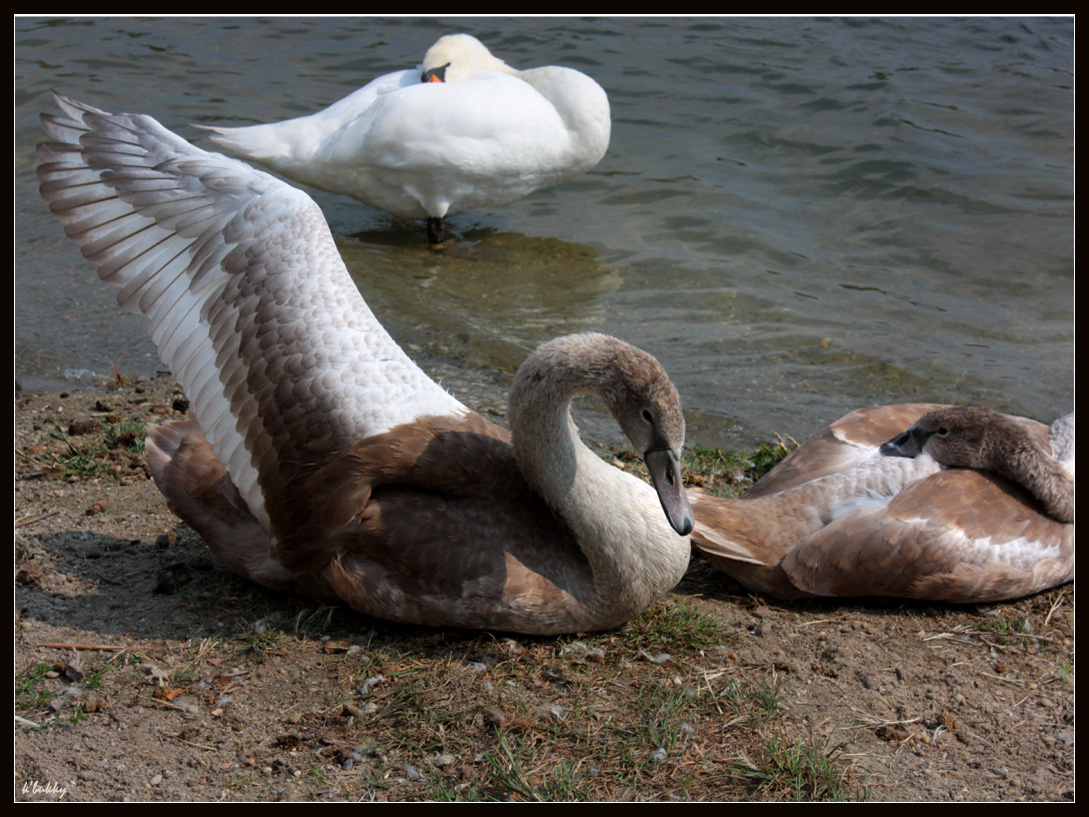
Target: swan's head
[
  {"x": 960, "y": 436},
  {"x": 457, "y": 57},
  {"x": 648, "y": 408},
  {"x": 635, "y": 388}
]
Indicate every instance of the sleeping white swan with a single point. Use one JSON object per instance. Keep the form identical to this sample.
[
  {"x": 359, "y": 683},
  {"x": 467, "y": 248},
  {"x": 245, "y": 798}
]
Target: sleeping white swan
[
  {"x": 463, "y": 130},
  {"x": 320, "y": 456},
  {"x": 966, "y": 505}
]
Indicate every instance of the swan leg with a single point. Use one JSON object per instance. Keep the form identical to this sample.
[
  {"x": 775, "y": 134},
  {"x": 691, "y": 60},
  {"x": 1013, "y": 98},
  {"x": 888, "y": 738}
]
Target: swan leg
[{"x": 436, "y": 229}]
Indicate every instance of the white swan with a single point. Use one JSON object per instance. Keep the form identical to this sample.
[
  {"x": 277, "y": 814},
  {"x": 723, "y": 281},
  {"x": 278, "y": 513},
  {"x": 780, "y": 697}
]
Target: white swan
[
  {"x": 464, "y": 130},
  {"x": 966, "y": 505},
  {"x": 321, "y": 457}
]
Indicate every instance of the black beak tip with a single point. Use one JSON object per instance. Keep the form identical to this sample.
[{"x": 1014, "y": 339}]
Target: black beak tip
[{"x": 685, "y": 526}]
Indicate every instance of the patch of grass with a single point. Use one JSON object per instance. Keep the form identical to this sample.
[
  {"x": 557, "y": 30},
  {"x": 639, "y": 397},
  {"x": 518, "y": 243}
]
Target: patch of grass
[
  {"x": 443, "y": 792},
  {"x": 259, "y": 636},
  {"x": 797, "y": 771},
  {"x": 717, "y": 471},
  {"x": 1005, "y": 630},
  {"x": 128, "y": 435},
  {"x": 592, "y": 718},
  {"x": 652, "y": 719},
  {"x": 1065, "y": 668},
  {"x": 64, "y": 457},
  {"x": 116, "y": 448},
  {"x": 756, "y": 701},
  {"x": 666, "y": 726},
  {"x": 314, "y": 622},
  {"x": 428, "y": 699},
  {"x": 202, "y": 647},
  {"x": 731, "y": 473},
  {"x": 1001, "y": 624},
  {"x": 93, "y": 680},
  {"x": 558, "y": 783},
  {"x": 183, "y": 678},
  {"x": 31, "y": 693},
  {"x": 765, "y": 457},
  {"x": 675, "y": 626}
]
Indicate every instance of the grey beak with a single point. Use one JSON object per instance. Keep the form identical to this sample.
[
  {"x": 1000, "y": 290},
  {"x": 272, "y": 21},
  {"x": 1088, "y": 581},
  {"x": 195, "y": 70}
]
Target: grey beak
[
  {"x": 902, "y": 445},
  {"x": 665, "y": 471}
]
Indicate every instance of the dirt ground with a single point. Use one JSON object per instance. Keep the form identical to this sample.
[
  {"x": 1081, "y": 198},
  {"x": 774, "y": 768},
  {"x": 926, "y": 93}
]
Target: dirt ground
[{"x": 143, "y": 671}]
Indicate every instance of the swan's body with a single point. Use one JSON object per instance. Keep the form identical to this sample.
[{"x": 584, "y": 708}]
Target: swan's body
[
  {"x": 854, "y": 512},
  {"x": 319, "y": 456},
  {"x": 462, "y": 131}
]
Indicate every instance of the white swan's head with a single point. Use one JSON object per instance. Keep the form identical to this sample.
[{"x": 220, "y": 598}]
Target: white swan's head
[{"x": 457, "y": 57}]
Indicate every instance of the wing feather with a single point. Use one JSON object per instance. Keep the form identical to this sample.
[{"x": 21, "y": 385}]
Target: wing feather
[{"x": 247, "y": 299}]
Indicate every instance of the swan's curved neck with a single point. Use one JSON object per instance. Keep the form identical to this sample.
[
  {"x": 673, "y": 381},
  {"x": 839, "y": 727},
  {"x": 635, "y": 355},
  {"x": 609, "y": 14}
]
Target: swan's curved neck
[
  {"x": 1017, "y": 456},
  {"x": 550, "y": 452},
  {"x": 617, "y": 520},
  {"x": 1045, "y": 478},
  {"x": 580, "y": 102}
]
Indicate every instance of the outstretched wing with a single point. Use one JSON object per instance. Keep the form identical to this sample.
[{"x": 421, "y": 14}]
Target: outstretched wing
[{"x": 248, "y": 301}]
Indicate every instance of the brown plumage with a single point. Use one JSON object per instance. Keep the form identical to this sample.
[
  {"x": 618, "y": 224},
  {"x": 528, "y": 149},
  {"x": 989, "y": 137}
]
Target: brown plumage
[
  {"x": 918, "y": 501},
  {"x": 319, "y": 457}
]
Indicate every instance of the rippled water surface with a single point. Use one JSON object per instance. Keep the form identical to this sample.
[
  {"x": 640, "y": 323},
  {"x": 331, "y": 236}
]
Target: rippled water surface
[{"x": 797, "y": 216}]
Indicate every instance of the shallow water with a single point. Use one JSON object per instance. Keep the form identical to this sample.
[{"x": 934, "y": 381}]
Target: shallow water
[{"x": 797, "y": 216}]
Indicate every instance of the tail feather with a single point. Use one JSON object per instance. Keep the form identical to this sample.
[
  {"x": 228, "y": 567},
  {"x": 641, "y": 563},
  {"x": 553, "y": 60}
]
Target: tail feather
[{"x": 198, "y": 489}]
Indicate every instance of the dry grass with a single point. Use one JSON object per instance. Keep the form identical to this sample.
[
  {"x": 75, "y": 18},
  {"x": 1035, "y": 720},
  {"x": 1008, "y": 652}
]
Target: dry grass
[{"x": 657, "y": 710}]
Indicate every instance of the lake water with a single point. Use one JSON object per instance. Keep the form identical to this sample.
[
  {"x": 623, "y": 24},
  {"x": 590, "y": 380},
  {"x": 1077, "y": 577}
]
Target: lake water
[{"x": 797, "y": 216}]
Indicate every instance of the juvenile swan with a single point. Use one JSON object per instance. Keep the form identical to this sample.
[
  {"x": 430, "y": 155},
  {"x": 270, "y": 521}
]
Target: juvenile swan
[
  {"x": 966, "y": 505},
  {"x": 461, "y": 131},
  {"x": 319, "y": 456}
]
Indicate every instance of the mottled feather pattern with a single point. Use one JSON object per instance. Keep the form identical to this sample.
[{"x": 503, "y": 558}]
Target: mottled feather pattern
[{"x": 175, "y": 228}]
